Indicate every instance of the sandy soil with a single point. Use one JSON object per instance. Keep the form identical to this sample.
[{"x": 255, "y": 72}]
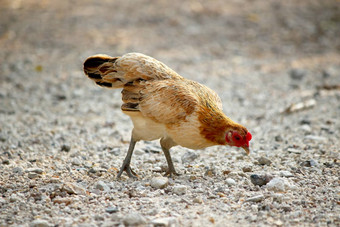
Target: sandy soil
[{"x": 62, "y": 138}]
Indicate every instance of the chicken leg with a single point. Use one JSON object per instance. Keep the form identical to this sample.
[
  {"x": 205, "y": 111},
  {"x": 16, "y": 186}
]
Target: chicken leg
[
  {"x": 166, "y": 144},
  {"x": 171, "y": 169},
  {"x": 126, "y": 164}
]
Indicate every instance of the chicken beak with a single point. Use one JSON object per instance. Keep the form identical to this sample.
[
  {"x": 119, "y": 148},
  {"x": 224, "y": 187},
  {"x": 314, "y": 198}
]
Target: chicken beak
[{"x": 246, "y": 148}]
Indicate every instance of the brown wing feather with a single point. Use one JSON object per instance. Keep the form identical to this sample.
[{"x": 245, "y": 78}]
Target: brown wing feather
[
  {"x": 171, "y": 101},
  {"x": 115, "y": 72}
]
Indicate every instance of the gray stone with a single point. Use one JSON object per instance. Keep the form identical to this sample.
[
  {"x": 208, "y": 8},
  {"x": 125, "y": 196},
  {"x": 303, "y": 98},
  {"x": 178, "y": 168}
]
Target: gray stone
[
  {"x": 285, "y": 173},
  {"x": 35, "y": 170},
  {"x": 72, "y": 188},
  {"x": 180, "y": 189},
  {"x": 264, "y": 161},
  {"x": 40, "y": 223},
  {"x": 257, "y": 198},
  {"x": 102, "y": 186},
  {"x": 278, "y": 138},
  {"x": 306, "y": 128},
  {"x": 115, "y": 151},
  {"x": 111, "y": 210},
  {"x": 18, "y": 170},
  {"x": 316, "y": 138},
  {"x": 279, "y": 184},
  {"x": 76, "y": 161},
  {"x": 294, "y": 151},
  {"x": 260, "y": 180},
  {"x": 159, "y": 182},
  {"x": 165, "y": 222},
  {"x": 13, "y": 198},
  {"x": 65, "y": 147},
  {"x": 198, "y": 199},
  {"x": 297, "y": 74},
  {"x": 32, "y": 175},
  {"x": 134, "y": 219},
  {"x": 247, "y": 169},
  {"x": 189, "y": 156},
  {"x": 230, "y": 182},
  {"x": 310, "y": 163},
  {"x": 139, "y": 152}
]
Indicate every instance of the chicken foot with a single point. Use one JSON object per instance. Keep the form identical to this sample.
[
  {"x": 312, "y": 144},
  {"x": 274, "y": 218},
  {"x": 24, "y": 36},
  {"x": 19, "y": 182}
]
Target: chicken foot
[{"x": 126, "y": 164}]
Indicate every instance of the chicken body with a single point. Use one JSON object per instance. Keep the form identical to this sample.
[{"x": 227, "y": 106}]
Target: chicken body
[{"x": 163, "y": 105}]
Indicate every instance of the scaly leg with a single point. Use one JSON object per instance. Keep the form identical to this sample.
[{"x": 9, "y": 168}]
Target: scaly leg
[
  {"x": 126, "y": 164},
  {"x": 166, "y": 144}
]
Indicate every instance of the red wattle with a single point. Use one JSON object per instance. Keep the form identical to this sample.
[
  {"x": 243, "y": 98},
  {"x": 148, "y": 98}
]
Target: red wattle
[{"x": 249, "y": 136}]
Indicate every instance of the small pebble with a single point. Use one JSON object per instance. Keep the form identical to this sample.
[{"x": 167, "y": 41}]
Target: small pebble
[
  {"x": 189, "y": 156},
  {"x": 165, "y": 222},
  {"x": 278, "y": 197},
  {"x": 76, "y": 161},
  {"x": 66, "y": 201},
  {"x": 306, "y": 128},
  {"x": 316, "y": 138},
  {"x": 98, "y": 217},
  {"x": 102, "y": 186},
  {"x": 139, "y": 152},
  {"x": 285, "y": 173},
  {"x": 257, "y": 198},
  {"x": 180, "y": 189},
  {"x": 134, "y": 219},
  {"x": 278, "y": 138},
  {"x": 210, "y": 171},
  {"x": 159, "y": 182},
  {"x": 260, "y": 179},
  {"x": 3, "y": 138},
  {"x": 276, "y": 184},
  {"x": 115, "y": 151},
  {"x": 65, "y": 148},
  {"x": 72, "y": 188},
  {"x": 111, "y": 210},
  {"x": 309, "y": 163},
  {"x": 40, "y": 223},
  {"x": 18, "y": 170},
  {"x": 13, "y": 198},
  {"x": 279, "y": 184},
  {"x": 294, "y": 151},
  {"x": 264, "y": 161},
  {"x": 297, "y": 74},
  {"x": 152, "y": 149},
  {"x": 305, "y": 122},
  {"x": 247, "y": 169},
  {"x": 32, "y": 175},
  {"x": 198, "y": 199},
  {"x": 230, "y": 182},
  {"x": 35, "y": 170},
  {"x": 286, "y": 208}
]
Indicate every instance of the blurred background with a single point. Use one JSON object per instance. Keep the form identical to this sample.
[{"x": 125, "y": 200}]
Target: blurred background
[{"x": 55, "y": 34}]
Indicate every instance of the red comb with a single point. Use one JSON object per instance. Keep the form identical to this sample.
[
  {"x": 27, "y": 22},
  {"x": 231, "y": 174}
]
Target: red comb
[{"x": 249, "y": 136}]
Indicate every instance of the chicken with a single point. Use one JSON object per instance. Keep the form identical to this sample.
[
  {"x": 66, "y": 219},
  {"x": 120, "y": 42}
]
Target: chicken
[{"x": 163, "y": 105}]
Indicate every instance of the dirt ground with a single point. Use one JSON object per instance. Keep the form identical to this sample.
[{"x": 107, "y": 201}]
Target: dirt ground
[{"x": 275, "y": 65}]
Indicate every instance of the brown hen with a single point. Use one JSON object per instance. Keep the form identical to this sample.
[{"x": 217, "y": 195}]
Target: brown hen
[{"x": 163, "y": 105}]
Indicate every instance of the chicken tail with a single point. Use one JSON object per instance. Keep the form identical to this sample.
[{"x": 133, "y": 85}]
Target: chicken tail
[
  {"x": 115, "y": 72},
  {"x": 101, "y": 69}
]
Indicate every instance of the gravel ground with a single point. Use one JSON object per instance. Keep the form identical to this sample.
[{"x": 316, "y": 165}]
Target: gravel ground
[{"x": 276, "y": 66}]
